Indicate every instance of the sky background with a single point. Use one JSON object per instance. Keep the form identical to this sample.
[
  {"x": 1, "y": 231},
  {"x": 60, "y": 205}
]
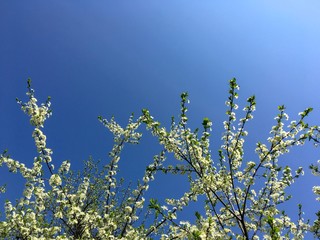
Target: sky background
[{"x": 116, "y": 57}]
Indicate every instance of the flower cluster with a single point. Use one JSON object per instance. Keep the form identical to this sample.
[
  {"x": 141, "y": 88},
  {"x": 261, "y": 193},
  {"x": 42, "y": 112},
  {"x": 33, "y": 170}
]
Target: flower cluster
[{"x": 242, "y": 198}]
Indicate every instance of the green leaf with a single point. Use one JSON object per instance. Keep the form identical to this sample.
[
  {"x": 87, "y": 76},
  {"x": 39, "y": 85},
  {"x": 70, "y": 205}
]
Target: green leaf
[{"x": 198, "y": 216}]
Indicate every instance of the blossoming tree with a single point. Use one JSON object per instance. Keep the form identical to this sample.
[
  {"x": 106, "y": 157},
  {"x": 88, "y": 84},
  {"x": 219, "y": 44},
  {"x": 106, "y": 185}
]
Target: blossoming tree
[{"x": 242, "y": 197}]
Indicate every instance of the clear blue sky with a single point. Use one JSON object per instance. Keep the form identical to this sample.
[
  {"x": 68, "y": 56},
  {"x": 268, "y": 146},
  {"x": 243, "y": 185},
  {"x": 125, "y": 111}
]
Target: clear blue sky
[{"x": 117, "y": 57}]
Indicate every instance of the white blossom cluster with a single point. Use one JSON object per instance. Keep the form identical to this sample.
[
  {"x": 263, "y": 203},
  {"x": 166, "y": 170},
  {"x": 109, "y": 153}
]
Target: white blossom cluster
[{"x": 242, "y": 197}]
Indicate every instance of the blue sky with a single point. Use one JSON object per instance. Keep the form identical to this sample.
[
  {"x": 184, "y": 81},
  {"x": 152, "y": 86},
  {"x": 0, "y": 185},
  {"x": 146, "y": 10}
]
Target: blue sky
[{"x": 117, "y": 57}]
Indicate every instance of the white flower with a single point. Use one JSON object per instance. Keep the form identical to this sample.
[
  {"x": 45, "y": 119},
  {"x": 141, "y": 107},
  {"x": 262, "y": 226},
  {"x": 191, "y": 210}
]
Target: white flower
[
  {"x": 55, "y": 180},
  {"x": 316, "y": 190},
  {"x": 128, "y": 209}
]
